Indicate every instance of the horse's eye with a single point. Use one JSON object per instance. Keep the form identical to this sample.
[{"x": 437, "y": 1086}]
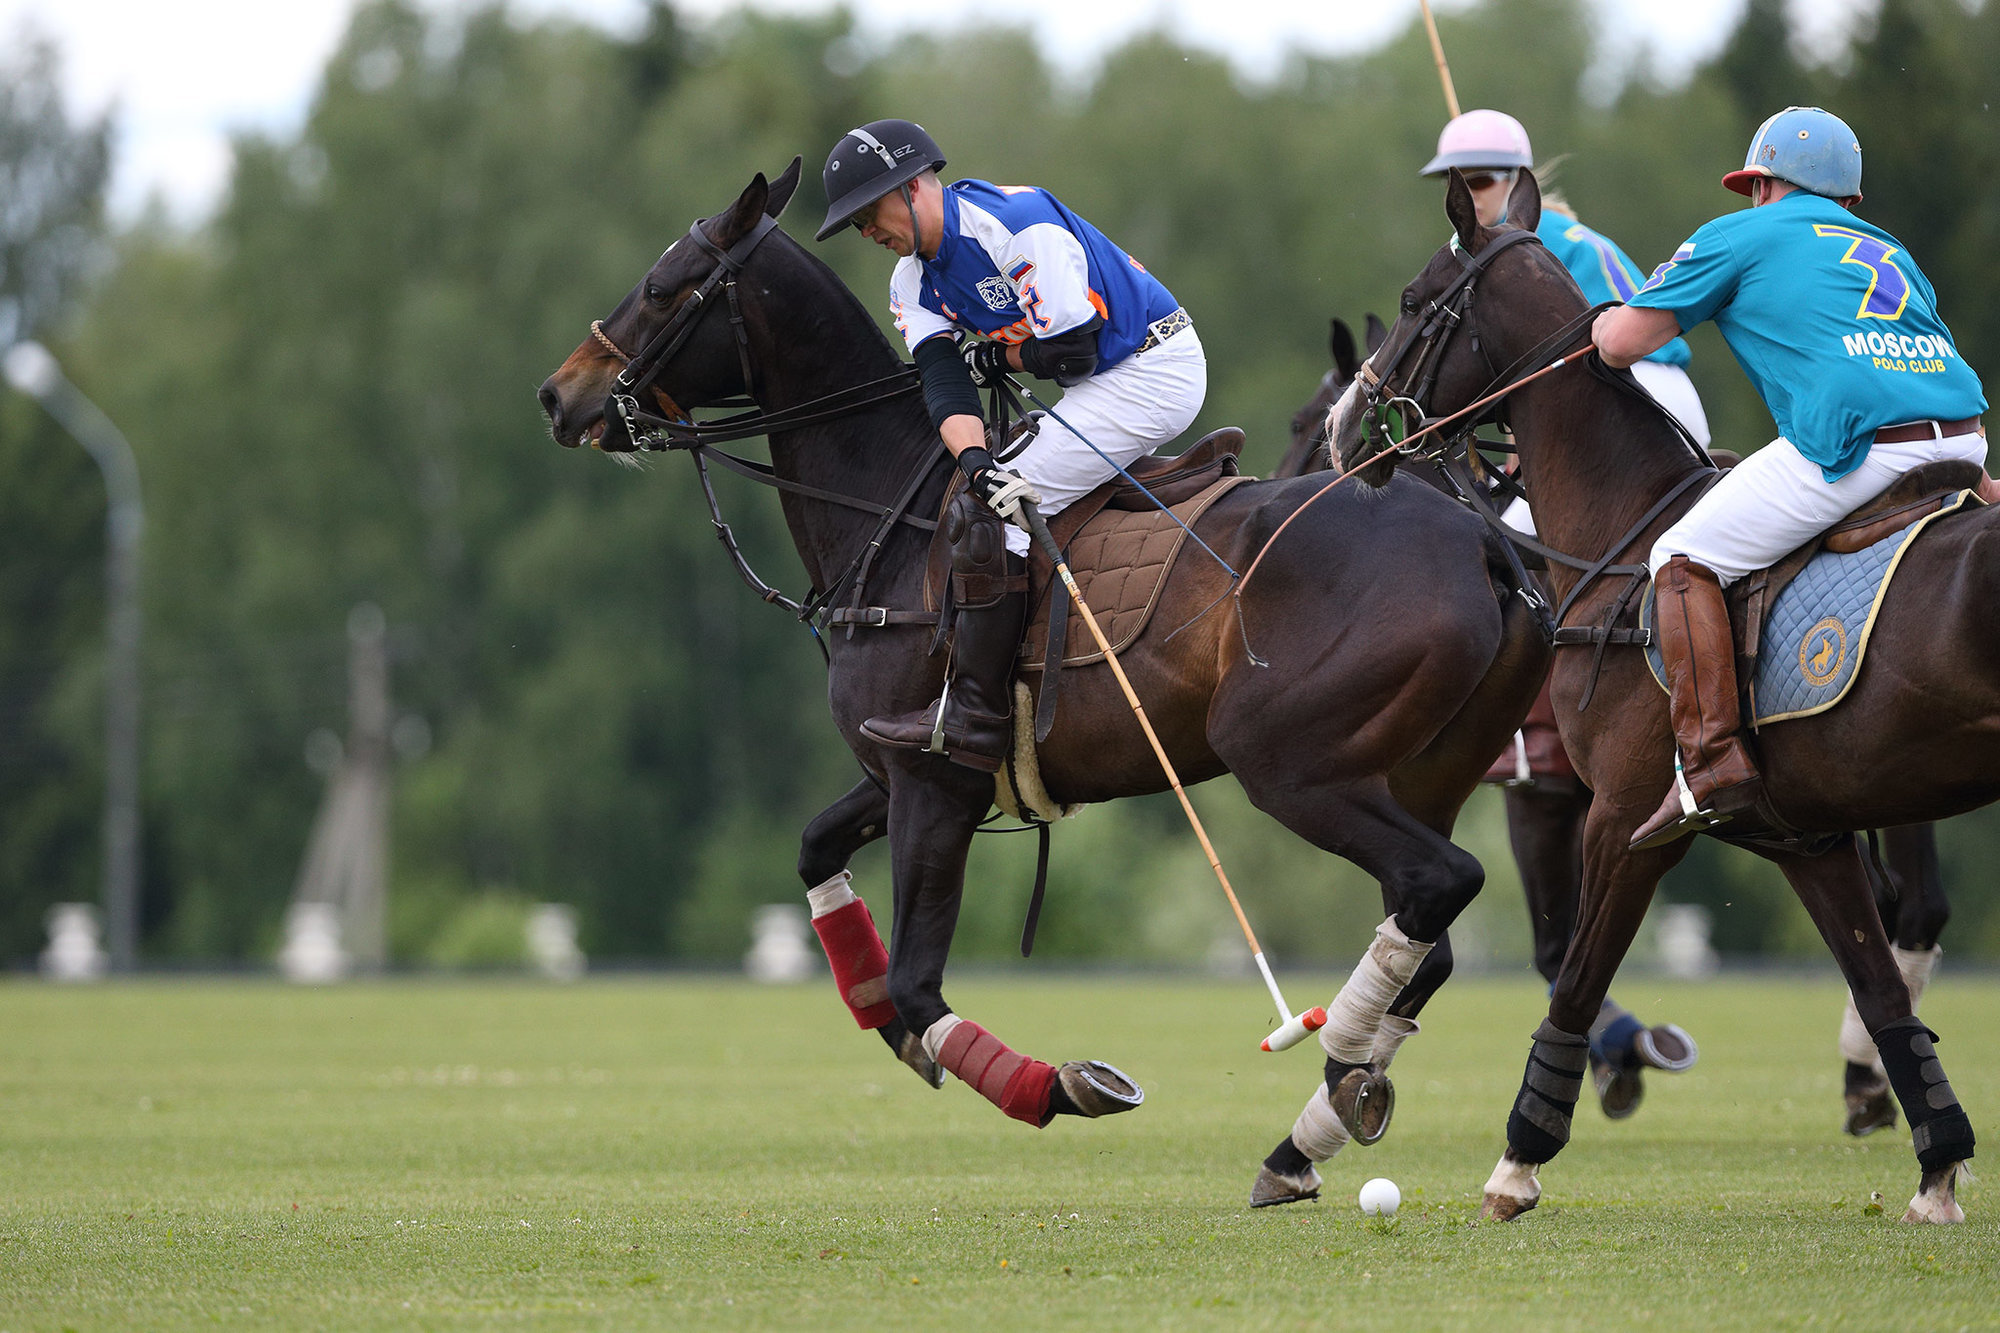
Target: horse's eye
[
  {"x": 1409, "y": 303},
  {"x": 655, "y": 295}
]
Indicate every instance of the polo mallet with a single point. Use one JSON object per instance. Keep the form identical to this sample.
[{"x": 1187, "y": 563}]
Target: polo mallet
[
  {"x": 1295, "y": 1026},
  {"x": 1437, "y": 54}
]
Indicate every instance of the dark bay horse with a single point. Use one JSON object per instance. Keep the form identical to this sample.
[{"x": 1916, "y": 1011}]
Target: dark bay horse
[
  {"x": 1391, "y": 680},
  {"x": 1918, "y": 737}
]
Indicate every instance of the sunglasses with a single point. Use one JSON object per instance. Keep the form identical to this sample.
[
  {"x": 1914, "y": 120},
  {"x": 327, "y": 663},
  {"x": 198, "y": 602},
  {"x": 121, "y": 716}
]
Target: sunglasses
[{"x": 1479, "y": 180}]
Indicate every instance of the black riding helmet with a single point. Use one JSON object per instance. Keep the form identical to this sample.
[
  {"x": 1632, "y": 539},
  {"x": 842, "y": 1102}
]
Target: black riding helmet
[{"x": 867, "y": 163}]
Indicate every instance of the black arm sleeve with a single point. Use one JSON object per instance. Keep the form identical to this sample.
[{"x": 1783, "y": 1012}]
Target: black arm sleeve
[
  {"x": 1067, "y": 358},
  {"x": 948, "y": 388}
]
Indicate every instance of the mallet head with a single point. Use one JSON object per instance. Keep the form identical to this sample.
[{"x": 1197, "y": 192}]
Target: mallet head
[{"x": 1296, "y": 1029}]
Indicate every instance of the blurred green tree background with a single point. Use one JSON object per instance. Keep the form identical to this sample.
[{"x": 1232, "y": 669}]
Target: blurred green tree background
[{"x": 330, "y": 386}]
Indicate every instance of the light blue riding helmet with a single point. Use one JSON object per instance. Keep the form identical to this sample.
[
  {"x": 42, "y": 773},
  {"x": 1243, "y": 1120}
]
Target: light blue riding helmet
[{"x": 1807, "y": 147}]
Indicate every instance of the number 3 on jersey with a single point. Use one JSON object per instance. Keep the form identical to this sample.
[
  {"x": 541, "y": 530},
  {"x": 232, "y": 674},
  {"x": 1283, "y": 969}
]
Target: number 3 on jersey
[{"x": 1888, "y": 290}]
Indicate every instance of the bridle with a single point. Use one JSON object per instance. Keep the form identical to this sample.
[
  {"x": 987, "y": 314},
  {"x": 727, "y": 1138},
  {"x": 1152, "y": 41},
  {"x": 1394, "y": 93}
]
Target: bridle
[
  {"x": 648, "y": 431},
  {"x": 1385, "y": 411},
  {"x": 621, "y": 405}
]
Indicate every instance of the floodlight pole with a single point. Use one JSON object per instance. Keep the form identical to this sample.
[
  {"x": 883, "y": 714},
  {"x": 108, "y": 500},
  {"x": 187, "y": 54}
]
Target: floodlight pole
[{"x": 32, "y": 370}]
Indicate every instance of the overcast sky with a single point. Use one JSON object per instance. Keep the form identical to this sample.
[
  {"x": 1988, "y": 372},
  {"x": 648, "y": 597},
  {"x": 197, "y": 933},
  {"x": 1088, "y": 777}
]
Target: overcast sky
[{"x": 182, "y": 74}]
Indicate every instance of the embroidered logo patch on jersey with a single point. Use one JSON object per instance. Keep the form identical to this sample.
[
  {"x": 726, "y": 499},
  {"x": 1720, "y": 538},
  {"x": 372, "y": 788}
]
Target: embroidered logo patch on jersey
[{"x": 996, "y": 293}]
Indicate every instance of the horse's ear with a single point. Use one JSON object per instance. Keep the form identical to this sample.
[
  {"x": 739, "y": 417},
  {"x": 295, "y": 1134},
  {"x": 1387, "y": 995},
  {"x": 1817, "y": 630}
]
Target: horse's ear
[
  {"x": 1464, "y": 214},
  {"x": 1524, "y": 202},
  {"x": 1378, "y": 333},
  {"x": 782, "y": 188},
  {"x": 1341, "y": 344},
  {"x": 733, "y": 226}
]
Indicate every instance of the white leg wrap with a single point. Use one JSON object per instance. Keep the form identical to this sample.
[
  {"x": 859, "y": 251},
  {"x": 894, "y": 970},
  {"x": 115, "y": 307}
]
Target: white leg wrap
[
  {"x": 831, "y": 896},
  {"x": 1389, "y": 1039},
  {"x": 1856, "y": 1046},
  {"x": 1355, "y": 1015},
  {"x": 935, "y": 1034},
  {"x": 1916, "y": 966},
  {"x": 1318, "y": 1132}
]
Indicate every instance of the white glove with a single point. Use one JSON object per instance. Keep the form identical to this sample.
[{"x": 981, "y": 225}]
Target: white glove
[{"x": 1003, "y": 493}]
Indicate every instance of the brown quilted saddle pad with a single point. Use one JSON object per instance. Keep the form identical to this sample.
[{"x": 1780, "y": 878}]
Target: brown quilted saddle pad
[{"x": 1120, "y": 558}]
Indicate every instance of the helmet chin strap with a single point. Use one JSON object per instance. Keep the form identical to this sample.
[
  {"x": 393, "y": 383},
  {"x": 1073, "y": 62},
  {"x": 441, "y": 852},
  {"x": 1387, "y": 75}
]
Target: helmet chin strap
[{"x": 908, "y": 190}]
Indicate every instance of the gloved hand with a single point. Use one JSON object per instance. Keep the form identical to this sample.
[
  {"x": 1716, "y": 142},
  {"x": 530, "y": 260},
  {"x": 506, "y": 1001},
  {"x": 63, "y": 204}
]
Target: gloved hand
[
  {"x": 987, "y": 360},
  {"x": 1003, "y": 491}
]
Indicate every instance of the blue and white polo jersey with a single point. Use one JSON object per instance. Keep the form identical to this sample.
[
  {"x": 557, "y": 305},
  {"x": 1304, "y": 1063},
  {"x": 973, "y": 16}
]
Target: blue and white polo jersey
[{"x": 1015, "y": 264}]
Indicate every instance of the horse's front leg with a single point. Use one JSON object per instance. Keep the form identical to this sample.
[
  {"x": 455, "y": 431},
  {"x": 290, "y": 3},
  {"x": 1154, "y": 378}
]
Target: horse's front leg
[
  {"x": 1912, "y": 904},
  {"x": 1618, "y": 886},
  {"x": 846, "y": 930},
  {"x": 933, "y": 808},
  {"x": 1834, "y": 889}
]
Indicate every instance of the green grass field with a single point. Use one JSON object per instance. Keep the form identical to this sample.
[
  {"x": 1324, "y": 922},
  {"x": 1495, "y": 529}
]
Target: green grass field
[{"x": 693, "y": 1153}]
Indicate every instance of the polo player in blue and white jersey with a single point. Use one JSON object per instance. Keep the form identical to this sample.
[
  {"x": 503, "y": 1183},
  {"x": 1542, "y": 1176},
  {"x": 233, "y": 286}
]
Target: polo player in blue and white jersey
[
  {"x": 1839, "y": 332},
  {"x": 995, "y": 279}
]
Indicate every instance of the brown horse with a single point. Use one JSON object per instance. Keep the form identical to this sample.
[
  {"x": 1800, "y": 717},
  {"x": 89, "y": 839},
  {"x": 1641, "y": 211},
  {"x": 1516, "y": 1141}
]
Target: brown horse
[
  {"x": 1390, "y": 680},
  {"x": 1917, "y": 738}
]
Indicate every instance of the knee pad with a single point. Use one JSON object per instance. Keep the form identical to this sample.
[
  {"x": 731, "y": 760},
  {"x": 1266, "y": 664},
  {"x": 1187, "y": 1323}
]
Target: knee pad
[{"x": 981, "y": 570}]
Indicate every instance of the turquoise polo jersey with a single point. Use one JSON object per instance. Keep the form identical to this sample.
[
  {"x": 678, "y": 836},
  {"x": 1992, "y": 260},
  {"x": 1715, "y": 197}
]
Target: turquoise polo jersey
[
  {"x": 1831, "y": 319},
  {"x": 1605, "y": 272}
]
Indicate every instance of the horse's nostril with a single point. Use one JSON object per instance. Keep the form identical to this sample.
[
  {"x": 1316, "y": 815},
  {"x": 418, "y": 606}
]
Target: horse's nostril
[{"x": 551, "y": 404}]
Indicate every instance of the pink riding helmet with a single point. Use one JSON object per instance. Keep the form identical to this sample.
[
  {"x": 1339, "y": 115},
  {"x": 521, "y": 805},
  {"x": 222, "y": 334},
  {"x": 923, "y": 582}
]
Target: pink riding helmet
[{"x": 1492, "y": 140}]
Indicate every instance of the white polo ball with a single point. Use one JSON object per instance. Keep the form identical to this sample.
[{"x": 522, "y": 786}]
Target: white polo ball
[{"x": 1381, "y": 1198}]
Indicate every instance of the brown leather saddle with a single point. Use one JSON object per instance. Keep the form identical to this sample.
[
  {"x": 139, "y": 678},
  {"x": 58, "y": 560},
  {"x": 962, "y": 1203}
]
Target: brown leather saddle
[{"x": 1119, "y": 547}]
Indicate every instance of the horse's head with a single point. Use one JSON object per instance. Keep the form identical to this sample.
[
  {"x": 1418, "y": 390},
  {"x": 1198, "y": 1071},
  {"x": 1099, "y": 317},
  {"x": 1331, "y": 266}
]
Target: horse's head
[
  {"x": 1443, "y": 352},
  {"x": 1309, "y": 424},
  {"x": 661, "y": 344}
]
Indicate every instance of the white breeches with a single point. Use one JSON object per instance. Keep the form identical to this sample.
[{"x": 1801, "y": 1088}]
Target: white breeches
[
  {"x": 1776, "y": 500},
  {"x": 1130, "y": 410},
  {"x": 1672, "y": 389}
]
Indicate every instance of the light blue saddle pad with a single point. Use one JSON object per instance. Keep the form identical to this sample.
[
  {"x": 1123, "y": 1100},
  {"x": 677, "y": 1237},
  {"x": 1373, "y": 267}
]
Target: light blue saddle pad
[{"x": 1817, "y": 631}]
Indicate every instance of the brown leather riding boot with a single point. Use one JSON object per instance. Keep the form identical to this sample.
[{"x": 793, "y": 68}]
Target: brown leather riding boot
[
  {"x": 972, "y": 723},
  {"x": 1715, "y": 777}
]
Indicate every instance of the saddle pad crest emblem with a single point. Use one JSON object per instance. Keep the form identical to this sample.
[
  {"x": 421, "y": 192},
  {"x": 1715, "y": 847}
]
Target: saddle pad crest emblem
[{"x": 1823, "y": 651}]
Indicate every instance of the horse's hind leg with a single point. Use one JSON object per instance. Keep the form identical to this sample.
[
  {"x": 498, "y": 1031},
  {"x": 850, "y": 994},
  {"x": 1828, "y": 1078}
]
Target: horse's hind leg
[
  {"x": 1910, "y": 897},
  {"x": 846, "y": 930},
  {"x": 1834, "y": 889}
]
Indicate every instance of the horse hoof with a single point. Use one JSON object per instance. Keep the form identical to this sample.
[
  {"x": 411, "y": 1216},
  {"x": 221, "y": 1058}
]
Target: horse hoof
[
  {"x": 1513, "y": 1188},
  {"x": 1618, "y": 1090},
  {"x": 1666, "y": 1047},
  {"x": 911, "y": 1052},
  {"x": 1869, "y": 1107},
  {"x": 1272, "y": 1188},
  {"x": 1504, "y": 1207},
  {"x": 1936, "y": 1201},
  {"x": 1364, "y": 1100},
  {"x": 1097, "y": 1089}
]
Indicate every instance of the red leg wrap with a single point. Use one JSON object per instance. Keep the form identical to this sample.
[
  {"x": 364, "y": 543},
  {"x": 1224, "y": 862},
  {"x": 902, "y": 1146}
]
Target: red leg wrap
[
  {"x": 860, "y": 963},
  {"x": 1016, "y": 1084}
]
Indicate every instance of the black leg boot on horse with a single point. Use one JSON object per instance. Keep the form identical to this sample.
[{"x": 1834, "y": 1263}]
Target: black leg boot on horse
[
  {"x": 1715, "y": 778},
  {"x": 972, "y": 724}
]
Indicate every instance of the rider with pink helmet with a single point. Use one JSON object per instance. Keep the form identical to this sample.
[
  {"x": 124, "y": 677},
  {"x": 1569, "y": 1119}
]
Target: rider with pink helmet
[{"x": 1490, "y": 148}]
